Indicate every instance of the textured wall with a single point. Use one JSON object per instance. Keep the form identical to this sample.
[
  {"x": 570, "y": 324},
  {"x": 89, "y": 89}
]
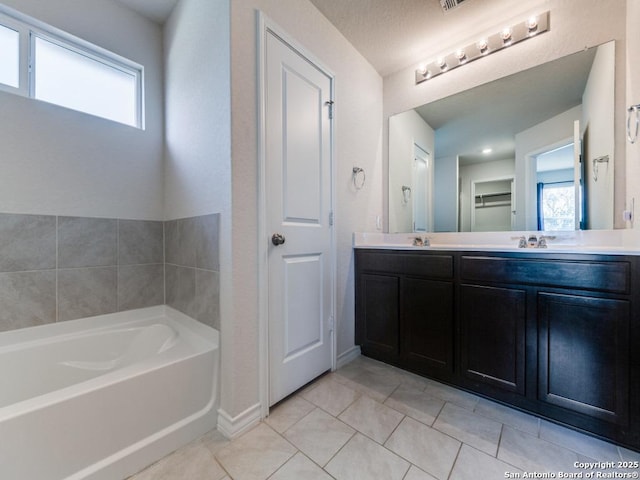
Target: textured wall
[{"x": 58, "y": 161}]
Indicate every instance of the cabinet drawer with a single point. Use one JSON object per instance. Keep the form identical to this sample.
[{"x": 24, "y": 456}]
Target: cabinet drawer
[
  {"x": 603, "y": 276},
  {"x": 437, "y": 266}
]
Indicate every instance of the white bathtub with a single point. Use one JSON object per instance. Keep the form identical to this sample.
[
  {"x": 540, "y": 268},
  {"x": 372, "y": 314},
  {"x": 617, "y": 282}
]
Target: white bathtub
[{"x": 102, "y": 397}]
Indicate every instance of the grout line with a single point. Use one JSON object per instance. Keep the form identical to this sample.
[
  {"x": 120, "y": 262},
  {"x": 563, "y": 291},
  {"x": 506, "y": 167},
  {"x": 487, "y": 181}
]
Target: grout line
[
  {"x": 453, "y": 465},
  {"x": 499, "y": 441}
]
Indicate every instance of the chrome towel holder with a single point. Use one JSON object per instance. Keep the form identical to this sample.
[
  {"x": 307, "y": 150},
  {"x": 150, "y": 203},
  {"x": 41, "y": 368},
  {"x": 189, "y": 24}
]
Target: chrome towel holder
[{"x": 633, "y": 109}]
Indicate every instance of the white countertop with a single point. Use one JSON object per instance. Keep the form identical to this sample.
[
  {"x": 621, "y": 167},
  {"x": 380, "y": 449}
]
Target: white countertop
[{"x": 609, "y": 242}]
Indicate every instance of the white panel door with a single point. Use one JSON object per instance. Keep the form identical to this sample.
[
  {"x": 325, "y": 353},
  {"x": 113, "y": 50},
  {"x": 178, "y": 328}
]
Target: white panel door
[{"x": 298, "y": 196}]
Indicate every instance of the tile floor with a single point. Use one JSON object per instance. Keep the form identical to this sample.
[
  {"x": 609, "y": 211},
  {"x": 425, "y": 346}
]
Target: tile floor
[{"x": 372, "y": 421}]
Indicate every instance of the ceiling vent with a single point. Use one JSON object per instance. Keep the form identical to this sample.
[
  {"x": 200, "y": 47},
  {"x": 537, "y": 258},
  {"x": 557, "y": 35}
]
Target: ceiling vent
[{"x": 448, "y": 5}]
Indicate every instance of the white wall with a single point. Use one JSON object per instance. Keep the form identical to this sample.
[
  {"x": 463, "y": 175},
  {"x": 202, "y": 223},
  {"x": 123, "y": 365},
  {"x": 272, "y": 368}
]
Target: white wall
[
  {"x": 553, "y": 132},
  {"x": 405, "y": 130},
  {"x": 61, "y": 162},
  {"x": 633, "y": 98},
  {"x": 198, "y": 109},
  {"x": 445, "y": 195},
  {"x": 598, "y": 116},
  {"x": 575, "y": 24},
  {"x": 358, "y": 141}
]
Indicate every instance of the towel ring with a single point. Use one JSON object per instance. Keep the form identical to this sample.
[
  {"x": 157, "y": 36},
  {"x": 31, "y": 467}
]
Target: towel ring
[
  {"x": 633, "y": 109},
  {"x": 358, "y": 178}
]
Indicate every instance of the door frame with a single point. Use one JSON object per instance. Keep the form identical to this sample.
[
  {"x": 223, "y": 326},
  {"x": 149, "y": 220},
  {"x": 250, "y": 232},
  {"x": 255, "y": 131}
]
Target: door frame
[{"x": 266, "y": 26}]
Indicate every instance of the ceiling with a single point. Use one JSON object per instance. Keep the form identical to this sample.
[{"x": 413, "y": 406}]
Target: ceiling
[
  {"x": 156, "y": 10},
  {"x": 395, "y": 34}
]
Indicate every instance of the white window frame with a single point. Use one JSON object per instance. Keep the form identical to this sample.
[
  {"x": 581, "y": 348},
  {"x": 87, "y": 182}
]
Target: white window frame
[{"x": 29, "y": 29}]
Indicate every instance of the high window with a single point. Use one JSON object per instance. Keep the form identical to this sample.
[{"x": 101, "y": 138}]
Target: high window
[{"x": 43, "y": 63}]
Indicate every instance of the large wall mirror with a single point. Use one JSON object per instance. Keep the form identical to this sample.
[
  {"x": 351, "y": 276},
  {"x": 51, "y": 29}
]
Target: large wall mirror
[{"x": 531, "y": 151}]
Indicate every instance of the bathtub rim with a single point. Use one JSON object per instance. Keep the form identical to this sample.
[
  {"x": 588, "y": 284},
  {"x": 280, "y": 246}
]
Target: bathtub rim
[
  {"x": 34, "y": 335},
  {"x": 201, "y": 337}
]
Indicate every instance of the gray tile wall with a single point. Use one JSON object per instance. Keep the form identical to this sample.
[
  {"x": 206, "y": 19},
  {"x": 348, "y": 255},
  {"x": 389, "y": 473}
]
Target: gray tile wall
[
  {"x": 62, "y": 268},
  {"x": 192, "y": 267}
]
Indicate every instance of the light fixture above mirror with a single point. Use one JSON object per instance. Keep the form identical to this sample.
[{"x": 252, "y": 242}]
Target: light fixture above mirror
[{"x": 485, "y": 46}]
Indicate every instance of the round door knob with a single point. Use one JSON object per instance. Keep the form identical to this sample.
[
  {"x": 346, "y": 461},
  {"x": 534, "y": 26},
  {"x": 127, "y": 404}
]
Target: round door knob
[{"x": 277, "y": 239}]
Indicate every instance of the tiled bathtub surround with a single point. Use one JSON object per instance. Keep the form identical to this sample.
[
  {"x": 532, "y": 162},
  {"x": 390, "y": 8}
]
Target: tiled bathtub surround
[
  {"x": 62, "y": 268},
  {"x": 192, "y": 267}
]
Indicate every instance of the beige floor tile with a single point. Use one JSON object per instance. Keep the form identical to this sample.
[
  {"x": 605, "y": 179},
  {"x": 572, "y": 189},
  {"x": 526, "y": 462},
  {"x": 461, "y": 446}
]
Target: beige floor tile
[
  {"x": 256, "y": 454},
  {"x": 331, "y": 396},
  {"x": 363, "y": 459},
  {"x": 473, "y": 464},
  {"x": 371, "y": 418},
  {"x": 579, "y": 442},
  {"x": 300, "y": 468},
  {"x": 193, "y": 461},
  {"x": 214, "y": 441},
  {"x": 452, "y": 395},
  {"x": 371, "y": 378},
  {"x": 430, "y": 450},
  {"x": 415, "y": 403},
  {"x": 629, "y": 455},
  {"x": 509, "y": 416},
  {"x": 533, "y": 454},
  {"x": 415, "y": 473},
  {"x": 470, "y": 428},
  {"x": 285, "y": 414},
  {"x": 319, "y": 436}
]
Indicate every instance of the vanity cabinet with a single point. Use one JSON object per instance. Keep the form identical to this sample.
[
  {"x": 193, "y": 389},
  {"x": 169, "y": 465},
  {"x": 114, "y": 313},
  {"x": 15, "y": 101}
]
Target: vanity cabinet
[
  {"x": 554, "y": 334},
  {"x": 492, "y": 339},
  {"x": 405, "y": 310},
  {"x": 426, "y": 326},
  {"x": 583, "y": 355}
]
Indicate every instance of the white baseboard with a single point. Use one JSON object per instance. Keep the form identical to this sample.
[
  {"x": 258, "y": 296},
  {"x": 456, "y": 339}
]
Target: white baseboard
[
  {"x": 348, "y": 356},
  {"x": 233, "y": 427}
]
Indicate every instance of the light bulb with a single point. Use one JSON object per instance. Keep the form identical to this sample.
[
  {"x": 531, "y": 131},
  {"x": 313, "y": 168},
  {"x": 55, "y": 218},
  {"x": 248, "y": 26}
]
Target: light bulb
[
  {"x": 483, "y": 46},
  {"x": 506, "y": 35}
]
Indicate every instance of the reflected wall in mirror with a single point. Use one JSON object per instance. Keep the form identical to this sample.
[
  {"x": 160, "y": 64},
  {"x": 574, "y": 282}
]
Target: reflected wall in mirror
[{"x": 518, "y": 153}]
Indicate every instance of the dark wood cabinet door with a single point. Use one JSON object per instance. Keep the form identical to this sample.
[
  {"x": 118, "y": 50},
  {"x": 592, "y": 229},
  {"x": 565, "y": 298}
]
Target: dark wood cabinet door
[
  {"x": 377, "y": 316},
  {"x": 583, "y": 355},
  {"x": 493, "y": 336},
  {"x": 426, "y": 343}
]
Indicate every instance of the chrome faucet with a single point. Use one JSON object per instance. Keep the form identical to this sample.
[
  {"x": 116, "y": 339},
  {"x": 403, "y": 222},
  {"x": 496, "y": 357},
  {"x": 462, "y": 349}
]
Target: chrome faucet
[{"x": 421, "y": 242}]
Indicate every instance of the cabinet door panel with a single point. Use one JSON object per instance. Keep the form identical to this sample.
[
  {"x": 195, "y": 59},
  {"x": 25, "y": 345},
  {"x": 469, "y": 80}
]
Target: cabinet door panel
[
  {"x": 427, "y": 325},
  {"x": 378, "y": 316},
  {"x": 493, "y": 336},
  {"x": 583, "y": 354}
]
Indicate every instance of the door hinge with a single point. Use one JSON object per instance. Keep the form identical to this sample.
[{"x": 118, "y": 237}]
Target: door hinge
[
  {"x": 329, "y": 104},
  {"x": 331, "y": 218},
  {"x": 331, "y": 323}
]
